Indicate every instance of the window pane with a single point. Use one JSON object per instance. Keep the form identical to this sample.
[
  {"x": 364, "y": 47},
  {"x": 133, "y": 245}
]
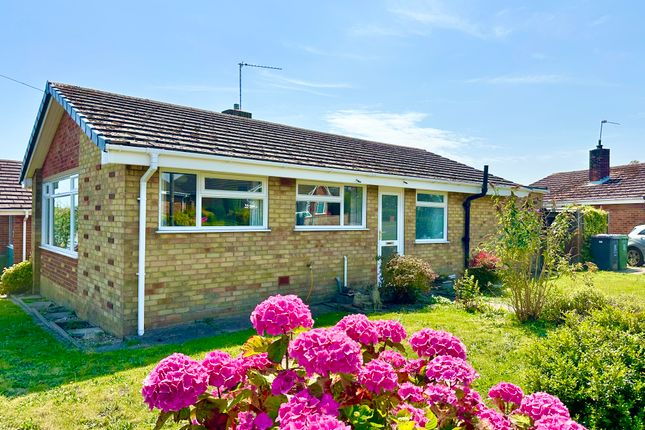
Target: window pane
[
  {"x": 389, "y": 215},
  {"x": 223, "y": 184},
  {"x": 62, "y": 186},
  {"x": 75, "y": 232},
  {"x": 231, "y": 212},
  {"x": 317, "y": 213},
  {"x": 179, "y": 194},
  {"x": 430, "y": 223},
  {"x": 433, "y": 198},
  {"x": 61, "y": 227},
  {"x": 318, "y": 190},
  {"x": 353, "y": 206}
]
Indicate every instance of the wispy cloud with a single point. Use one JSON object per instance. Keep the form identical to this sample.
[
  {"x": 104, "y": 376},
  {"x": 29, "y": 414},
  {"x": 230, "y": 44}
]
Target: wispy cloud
[
  {"x": 520, "y": 79},
  {"x": 194, "y": 88},
  {"x": 437, "y": 17},
  {"x": 600, "y": 20},
  {"x": 311, "y": 87},
  {"x": 335, "y": 54},
  {"x": 404, "y": 129}
]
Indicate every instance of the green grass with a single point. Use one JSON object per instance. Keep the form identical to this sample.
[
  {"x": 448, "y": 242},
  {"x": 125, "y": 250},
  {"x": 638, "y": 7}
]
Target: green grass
[{"x": 45, "y": 385}]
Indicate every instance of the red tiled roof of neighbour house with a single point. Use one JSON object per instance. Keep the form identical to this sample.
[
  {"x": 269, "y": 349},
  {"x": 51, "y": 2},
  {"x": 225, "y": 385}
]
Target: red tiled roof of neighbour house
[
  {"x": 137, "y": 122},
  {"x": 12, "y": 194},
  {"x": 625, "y": 182}
]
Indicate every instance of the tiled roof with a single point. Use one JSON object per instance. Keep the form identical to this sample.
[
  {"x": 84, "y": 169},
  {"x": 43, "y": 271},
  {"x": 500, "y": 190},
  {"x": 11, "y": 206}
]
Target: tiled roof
[
  {"x": 143, "y": 123},
  {"x": 625, "y": 182},
  {"x": 12, "y": 195}
]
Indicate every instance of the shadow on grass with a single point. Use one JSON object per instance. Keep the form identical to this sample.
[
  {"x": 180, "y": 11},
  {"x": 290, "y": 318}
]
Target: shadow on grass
[{"x": 32, "y": 360}]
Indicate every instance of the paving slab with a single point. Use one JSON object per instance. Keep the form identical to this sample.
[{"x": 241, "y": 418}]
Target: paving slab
[{"x": 86, "y": 333}]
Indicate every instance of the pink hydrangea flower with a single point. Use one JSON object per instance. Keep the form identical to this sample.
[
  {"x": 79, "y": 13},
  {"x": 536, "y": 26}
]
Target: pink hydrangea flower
[
  {"x": 554, "y": 422},
  {"x": 359, "y": 328},
  {"x": 284, "y": 382},
  {"x": 539, "y": 404},
  {"x": 504, "y": 394},
  {"x": 251, "y": 421},
  {"x": 490, "y": 419},
  {"x": 378, "y": 376},
  {"x": 279, "y": 315},
  {"x": 414, "y": 366},
  {"x": 469, "y": 404},
  {"x": 224, "y": 371},
  {"x": 431, "y": 343},
  {"x": 410, "y": 392},
  {"x": 324, "y": 351},
  {"x": 440, "y": 394},
  {"x": 303, "y": 406},
  {"x": 256, "y": 361},
  {"x": 450, "y": 370},
  {"x": 416, "y": 415},
  {"x": 394, "y": 358},
  {"x": 390, "y": 330},
  {"x": 175, "y": 383},
  {"x": 316, "y": 422}
]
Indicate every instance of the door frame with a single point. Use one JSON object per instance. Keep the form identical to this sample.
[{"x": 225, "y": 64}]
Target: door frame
[{"x": 400, "y": 213}]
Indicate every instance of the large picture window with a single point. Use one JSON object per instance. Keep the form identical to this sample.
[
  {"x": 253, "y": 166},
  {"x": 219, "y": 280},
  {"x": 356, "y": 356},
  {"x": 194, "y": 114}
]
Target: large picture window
[
  {"x": 212, "y": 202},
  {"x": 321, "y": 206},
  {"x": 60, "y": 214},
  {"x": 431, "y": 217}
]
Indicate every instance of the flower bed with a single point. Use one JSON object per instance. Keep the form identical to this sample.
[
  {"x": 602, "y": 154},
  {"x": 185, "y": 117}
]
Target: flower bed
[{"x": 351, "y": 376}]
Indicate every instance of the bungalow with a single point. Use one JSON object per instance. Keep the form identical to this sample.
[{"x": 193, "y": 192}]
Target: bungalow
[
  {"x": 619, "y": 190},
  {"x": 15, "y": 210},
  {"x": 148, "y": 214}
]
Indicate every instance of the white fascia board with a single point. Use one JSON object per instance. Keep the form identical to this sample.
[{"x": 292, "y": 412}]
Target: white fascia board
[
  {"x": 15, "y": 212},
  {"x": 563, "y": 203},
  {"x": 118, "y": 154}
]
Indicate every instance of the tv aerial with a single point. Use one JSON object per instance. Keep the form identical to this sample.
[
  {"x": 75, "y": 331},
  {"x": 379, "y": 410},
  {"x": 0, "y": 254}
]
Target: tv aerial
[{"x": 258, "y": 66}]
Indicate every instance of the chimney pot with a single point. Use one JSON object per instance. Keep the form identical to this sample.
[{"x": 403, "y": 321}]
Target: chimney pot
[{"x": 599, "y": 164}]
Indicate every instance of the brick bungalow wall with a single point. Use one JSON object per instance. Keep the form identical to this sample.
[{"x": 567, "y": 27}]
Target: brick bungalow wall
[
  {"x": 623, "y": 218},
  {"x": 207, "y": 275},
  {"x": 17, "y": 237}
]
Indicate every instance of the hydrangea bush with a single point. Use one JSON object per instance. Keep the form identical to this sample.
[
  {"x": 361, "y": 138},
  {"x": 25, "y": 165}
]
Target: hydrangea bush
[{"x": 351, "y": 376}]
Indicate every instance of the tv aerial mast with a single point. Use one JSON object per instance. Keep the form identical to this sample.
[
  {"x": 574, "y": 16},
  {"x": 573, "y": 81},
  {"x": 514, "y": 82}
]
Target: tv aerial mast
[{"x": 258, "y": 66}]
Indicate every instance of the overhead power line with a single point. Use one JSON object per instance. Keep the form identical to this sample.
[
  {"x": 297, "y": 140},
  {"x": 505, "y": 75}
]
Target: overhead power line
[{"x": 20, "y": 82}]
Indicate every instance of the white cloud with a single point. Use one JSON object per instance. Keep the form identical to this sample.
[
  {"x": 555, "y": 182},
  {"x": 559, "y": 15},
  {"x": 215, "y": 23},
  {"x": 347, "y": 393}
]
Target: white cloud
[
  {"x": 310, "y": 87},
  {"x": 396, "y": 128},
  {"x": 520, "y": 79},
  {"x": 195, "y": 88},
  {"x": 335, "y": 54},
  {"x": 436, "y": 17}
]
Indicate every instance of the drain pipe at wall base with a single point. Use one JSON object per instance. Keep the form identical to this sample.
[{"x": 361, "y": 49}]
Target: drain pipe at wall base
[
  {"x": 24, "y": 235},
  {"x": 141, "y": 272},
  {"x": 466, "y": 239}
]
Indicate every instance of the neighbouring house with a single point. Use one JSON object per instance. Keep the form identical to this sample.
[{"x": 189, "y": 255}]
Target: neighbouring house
[
  {"x": 619, "y": 190},
  {"x": 15, "y": 210},
  {"x": 149, "y": 214}
]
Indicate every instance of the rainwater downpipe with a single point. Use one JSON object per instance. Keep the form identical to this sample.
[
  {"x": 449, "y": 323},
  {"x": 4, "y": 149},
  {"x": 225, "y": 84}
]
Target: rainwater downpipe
[
  {"x": 345, "y": 272},
  {"x": 141, "y": 271},
  {"x": 24, "y": 235},
  {"x": 466, "y": 239}
]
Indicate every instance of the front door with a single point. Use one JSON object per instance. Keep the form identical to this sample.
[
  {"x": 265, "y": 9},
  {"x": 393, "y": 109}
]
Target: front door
[{"x": 390, "y": 224}]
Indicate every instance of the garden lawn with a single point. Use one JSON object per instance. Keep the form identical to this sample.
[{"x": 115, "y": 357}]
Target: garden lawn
[
  {"x": 612, "y": 284},
  {"x": 45, "y": 385}
]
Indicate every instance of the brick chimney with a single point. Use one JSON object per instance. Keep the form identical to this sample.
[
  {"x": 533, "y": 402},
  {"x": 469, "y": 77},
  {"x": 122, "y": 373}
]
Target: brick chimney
[{"x": 598, "y": 164}]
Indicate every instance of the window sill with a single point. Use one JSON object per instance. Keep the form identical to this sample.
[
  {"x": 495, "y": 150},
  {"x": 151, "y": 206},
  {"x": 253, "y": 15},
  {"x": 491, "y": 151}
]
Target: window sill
[
  {"x": 212, "y": 230},
  {"x": 325, "y": 228},
  {"x": 429, "y": 241},
  {"x": 61, "y": 251}
]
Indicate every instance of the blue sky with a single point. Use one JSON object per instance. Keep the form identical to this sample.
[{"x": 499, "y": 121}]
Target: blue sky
[{"x": 519, "y": 85}]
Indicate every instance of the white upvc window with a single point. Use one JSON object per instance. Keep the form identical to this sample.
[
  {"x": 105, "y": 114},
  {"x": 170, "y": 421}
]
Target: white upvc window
[
  {"x": 60, "y": 214},
  {"x": 209, "y": 201},
  {"x": 330, "y": 206},
  {"x": 431, "y": 217}
]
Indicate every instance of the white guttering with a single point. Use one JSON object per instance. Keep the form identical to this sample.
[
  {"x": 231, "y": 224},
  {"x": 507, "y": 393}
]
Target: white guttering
[
  {"x": 562, "y": 203},
  {"x": 141, "y": 271},
  {"x": 119, "y": 154},
  {"x": 24, "y": 235}
]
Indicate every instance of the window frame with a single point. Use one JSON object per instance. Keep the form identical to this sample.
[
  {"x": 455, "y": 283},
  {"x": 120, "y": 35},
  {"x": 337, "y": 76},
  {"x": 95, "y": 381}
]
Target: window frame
[
  {"x": 443, "y": 205},
  {"x": 201, "y": 192},
  {"x": 47, "y": 213},
  {"x": 331, "y": 199}
]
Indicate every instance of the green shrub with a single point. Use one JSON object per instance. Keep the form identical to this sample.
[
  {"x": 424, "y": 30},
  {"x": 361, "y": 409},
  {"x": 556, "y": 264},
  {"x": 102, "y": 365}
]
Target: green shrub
[
  {"x": 483, "y": 266},
  {"x": 405, "y": 278},
  {"x": 16, "y": 279},
  {"x": 467, "y": 292},
  {"x": 595, "y": 365},
  {"x": 582, "y": 301},
  {"x": 594, "y": 222}
]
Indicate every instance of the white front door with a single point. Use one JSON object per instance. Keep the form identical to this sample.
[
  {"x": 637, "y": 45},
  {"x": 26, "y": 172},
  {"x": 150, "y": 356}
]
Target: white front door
[{"x": 390, "y": 224}]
